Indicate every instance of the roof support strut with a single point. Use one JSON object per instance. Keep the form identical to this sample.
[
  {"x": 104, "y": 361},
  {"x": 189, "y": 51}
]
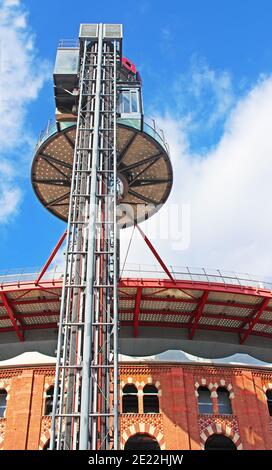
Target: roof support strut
[
  {"x": 255, "y": 320},
  {"x": 155, "y": 253},
  {"x": 12, "y": 318},
  {"x": 51, "y": 257},
  {"x": 137, "y": 312},
  {"x": 198, "y": 314}
]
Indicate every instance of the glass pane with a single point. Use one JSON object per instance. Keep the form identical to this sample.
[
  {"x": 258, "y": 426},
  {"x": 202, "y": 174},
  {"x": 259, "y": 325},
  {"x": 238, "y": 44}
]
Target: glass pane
[
  {"x": 67, "y": 62},
  {"x": 205, "y": 405},
  {"x": 224, "y": 404},
  {"x": 134, "y": 102},
  {"x": 3, "y": 403},
  {"x": 130, "y": 404},
  {"x": 150, "y": 389},
  {"x": 126, "y": 102},
  {"x": 151, "y": 404}
]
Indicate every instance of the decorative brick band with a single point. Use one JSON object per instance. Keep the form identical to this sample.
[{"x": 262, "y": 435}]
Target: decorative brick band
[
  {"x": 143, "y": 428},
  {"x": 2, "y": 432},
  {"x": 45, "y": 437},
  {"x": 45, "y": 431},
  {"x": 220, "y": 428}
]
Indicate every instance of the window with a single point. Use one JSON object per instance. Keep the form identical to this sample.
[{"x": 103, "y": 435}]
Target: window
[
  {"x": 130, "y": 399},
  {"x": 151, "y": 399},
  {"x": 269, "y": 401},
  {"x": 3, "y": 403},
  {"x": 224, "y": 403},
  {"x": 205, "y": 405},
  {"x": 49, "y": 401},
  {"x": 219, "y": 442},
  {"x": 142, "y": 442},
  {"x": 47, "y": 445},
  {"x": 129, "y": 101}
]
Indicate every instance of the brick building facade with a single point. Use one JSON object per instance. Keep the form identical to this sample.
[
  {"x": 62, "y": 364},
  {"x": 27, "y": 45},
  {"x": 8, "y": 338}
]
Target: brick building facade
[{"x": 179, "y": 421}]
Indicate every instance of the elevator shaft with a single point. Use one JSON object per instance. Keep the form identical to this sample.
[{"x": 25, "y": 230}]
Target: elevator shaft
[{"x": 85, "y": 406}]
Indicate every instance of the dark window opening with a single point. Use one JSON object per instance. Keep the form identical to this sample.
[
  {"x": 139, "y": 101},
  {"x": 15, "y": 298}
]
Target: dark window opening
[
  {"x": 151, "y": 399},
  {"x": 205, "y": 405},
  {"x": 219, "y": 442},
  {"x": 47, "y": 445},
  {"x": 3, "y": 403},
  {"x": 142, "y": 442},
  {"x": 224, "y": 403},
  {"x": 49, "y": 401},
  {"x": 269, "y": 401},
  {"x": 130, "y": 399}
]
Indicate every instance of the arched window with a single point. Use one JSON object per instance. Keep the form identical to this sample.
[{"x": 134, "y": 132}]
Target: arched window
[
  {"x": 49, "y": 401},
  {"x": 47, "y": 445},
  {"x": 269, "y": 401},
  {"x": 142, "y": 442},
  {"x": 151, "y": 399},
  {"x": 224, "y": 403},
  {"x": 219, "y": 442},
  {"x": 130, "y": 399},
  {"x": 205, "y": 405},
  {"x": 3, "y": 403}
]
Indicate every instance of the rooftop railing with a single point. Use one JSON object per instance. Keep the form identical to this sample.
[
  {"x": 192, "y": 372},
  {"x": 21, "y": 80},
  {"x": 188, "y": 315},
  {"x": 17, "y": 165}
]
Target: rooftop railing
[
  {"x": 142, "y": 271},
  {"x": 198, "y": 275}
]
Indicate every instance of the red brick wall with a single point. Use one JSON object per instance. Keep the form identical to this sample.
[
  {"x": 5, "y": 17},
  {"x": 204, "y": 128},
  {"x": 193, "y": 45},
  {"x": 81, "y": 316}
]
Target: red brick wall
[{"x": 177, "y": 426}]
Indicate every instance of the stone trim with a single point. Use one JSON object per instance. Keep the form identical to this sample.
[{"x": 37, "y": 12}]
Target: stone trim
[
  {"x": 224, "y": 429},
  {"x": 142, "y": 428},
  {"x": 203, "y": 382}
]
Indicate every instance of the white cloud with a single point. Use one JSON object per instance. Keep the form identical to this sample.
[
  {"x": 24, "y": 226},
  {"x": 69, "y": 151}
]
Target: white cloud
[
  {"x": 229, "y": 189},
  {"x": 22, "y": 75},
  {"x": 205, "y": 96}
]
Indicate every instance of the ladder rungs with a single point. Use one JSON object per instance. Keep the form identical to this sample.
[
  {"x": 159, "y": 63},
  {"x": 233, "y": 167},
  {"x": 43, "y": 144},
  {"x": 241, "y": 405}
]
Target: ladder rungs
[
  {"x": 75, "y": 286},
  {"x": 101, "y": 367},
  {"x": 79, "y": 222},
  {"x": 70, "y": 367}
]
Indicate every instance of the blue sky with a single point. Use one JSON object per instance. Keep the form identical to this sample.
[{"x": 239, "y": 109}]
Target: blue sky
[{"x": 205, "y": 65}]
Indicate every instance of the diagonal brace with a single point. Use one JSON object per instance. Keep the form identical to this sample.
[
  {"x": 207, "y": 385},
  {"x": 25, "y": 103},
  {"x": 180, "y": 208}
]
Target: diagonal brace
[{"x": 12, "y": 318}]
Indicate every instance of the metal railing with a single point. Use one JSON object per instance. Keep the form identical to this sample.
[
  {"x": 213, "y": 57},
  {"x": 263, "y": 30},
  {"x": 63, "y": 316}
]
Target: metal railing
[
  {"x": 197, "y": 275},
  {"x": 68, "y": 44},
  {"x": 51, "y": 129},
  {"x": 11, "y": 276},
  {"x": 157, "y": 134},
  {"x": 149, "y": 128},
  {"x": 142, "y": 271}
]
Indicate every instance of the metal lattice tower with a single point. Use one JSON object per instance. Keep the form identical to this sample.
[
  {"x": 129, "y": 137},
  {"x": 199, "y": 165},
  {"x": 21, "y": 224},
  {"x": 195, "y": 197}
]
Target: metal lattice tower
[
  {"x": 85, "y": 407},
  {"x": 99, "y": 167}
]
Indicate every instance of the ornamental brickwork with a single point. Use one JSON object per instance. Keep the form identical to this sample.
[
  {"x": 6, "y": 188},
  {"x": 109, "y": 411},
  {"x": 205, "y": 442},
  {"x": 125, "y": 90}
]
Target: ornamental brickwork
[{"x": 177, "y": 425}]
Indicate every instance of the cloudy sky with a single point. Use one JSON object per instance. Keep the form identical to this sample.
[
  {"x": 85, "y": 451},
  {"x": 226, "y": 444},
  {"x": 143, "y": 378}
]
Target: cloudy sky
[{"x": 207, "y": 78}]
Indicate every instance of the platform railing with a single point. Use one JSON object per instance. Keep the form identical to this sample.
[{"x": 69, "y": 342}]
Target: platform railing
[
  {"x": 149, "y": 128},
  {"x": 143, "y": 271},
  {"x": 68, "y": 44}
]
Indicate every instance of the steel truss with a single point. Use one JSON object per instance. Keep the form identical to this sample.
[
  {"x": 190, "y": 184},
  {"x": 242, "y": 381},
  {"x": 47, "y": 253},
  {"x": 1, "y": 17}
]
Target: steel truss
[{"x": 85, "y": 408}]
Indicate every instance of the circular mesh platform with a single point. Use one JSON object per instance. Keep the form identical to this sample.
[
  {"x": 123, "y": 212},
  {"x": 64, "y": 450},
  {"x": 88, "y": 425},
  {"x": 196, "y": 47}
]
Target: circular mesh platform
[{"x": 144, "y": 170}]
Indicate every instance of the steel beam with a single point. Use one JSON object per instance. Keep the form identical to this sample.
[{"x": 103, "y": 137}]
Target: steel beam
[
  {"x": 155, "y": 253},
  {"x": 137, "y": 312},
  {"x": 198, "y": 313},
  {"x": 255, "y": 320},
  {"x": 51, "y": 257},
  {"x": 11, "y": 315}
]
